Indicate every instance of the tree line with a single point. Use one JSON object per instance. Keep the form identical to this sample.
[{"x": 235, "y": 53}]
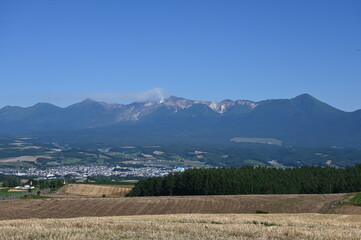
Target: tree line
[
  {"x": 14, "y": 181},
  {"x": 9, "y": 180},
  {"x": 53, "y": 184},
  {"x": 253, "y": 180}
]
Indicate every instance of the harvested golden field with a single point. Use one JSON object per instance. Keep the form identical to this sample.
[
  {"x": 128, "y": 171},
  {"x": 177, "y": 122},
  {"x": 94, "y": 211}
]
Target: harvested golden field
[
  {"x": 98, "y": 207},
  {"x": 91, "y": 190},
  {"x": 188, "y": 226}
]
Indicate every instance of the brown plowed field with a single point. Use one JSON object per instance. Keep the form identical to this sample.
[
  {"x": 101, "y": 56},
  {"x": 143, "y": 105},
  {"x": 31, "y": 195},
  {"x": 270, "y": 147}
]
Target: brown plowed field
[
  {"x": 91, "y": 190},
  {"x": 81, "y": 207},
  {"x": 348, "y": 209}
]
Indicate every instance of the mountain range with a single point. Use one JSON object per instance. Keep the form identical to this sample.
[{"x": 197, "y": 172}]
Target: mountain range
[{"x": 300, "y": 121}]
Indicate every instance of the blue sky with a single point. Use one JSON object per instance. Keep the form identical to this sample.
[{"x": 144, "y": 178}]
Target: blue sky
[{"x": 62, "y": 51}]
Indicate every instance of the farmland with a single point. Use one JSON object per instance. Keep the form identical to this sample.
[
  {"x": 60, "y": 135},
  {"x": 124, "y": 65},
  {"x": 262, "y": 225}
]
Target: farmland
[
  {"x": 188, "y": 226},
  {"x": 96, "y": 190},
  {"x": 98, "y": 207},
  {"x": 27, "y": 153},
  {"x": 290, "y": 216},
  {"x": 23, "y": 159},
  {"x": 6, "y": 192}
]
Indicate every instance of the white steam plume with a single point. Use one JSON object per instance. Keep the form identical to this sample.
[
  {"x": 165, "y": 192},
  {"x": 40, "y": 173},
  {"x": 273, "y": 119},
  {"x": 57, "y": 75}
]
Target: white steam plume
[{"x": 151, "y": 95}]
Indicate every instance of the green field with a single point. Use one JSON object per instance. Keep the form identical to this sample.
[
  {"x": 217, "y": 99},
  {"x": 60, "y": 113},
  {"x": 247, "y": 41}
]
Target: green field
[
  {"x": 5, "y": 192},
  {"x": 72, "y": 160},
  {"x": 356, "y": 199},
  {"x": 109, "y": 183}
]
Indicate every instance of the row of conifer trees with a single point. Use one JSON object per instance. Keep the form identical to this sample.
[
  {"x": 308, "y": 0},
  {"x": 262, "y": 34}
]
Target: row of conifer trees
[{"x": 253, "y": 180}]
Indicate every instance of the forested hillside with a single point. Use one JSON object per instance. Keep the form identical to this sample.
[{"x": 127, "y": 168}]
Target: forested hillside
[
  {"x": 252, "y": 180},
  {"x": 302, "y": 121}
]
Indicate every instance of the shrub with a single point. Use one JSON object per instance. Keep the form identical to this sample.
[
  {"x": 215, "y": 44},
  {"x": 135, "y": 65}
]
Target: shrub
[{"x": 261, "y": 212}]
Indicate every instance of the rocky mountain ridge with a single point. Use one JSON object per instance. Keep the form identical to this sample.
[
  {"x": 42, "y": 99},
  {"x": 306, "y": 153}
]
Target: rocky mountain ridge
[{"x": 302, "y": 121}]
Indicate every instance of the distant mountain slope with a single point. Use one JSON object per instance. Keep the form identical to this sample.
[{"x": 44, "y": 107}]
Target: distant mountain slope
[{"x": 300, "y": 121}]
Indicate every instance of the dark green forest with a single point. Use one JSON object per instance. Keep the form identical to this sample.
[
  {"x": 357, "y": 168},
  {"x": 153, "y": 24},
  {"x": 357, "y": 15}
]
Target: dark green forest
[
  {"x": 9, "y": 180},
  {"x": 253, "y": 180}
]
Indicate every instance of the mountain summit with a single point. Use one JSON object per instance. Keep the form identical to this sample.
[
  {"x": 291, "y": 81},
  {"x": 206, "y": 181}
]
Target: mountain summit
[{"x": 301, "y": 121}]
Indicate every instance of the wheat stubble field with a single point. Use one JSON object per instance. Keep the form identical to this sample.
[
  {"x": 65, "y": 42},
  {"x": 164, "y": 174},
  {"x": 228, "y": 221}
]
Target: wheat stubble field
[
  {"x": 96, "y": 190},
  {"x": 188, "y": 226},
  {"x": 184, "y": 217}
]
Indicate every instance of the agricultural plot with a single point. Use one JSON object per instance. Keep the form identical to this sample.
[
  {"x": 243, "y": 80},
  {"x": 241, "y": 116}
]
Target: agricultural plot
[
  {"x": 7, "y": 192},
  {"x": 351, "y": 206},
  {"x": 44, "y": 155},
  {"x": 188, "y": 226},
  {"x": 81, "y": 207},
  {"x": 23, "y": 159},
  {"x": 96, "y": 190}
]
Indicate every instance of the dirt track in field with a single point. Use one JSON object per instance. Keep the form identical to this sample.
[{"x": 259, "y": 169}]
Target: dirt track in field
[{"x": 81, "y": 207}]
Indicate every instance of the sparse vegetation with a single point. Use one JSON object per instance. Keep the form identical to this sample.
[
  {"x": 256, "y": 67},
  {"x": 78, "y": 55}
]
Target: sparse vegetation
[
  {"x": 356, "y": 199},
  {"x": 266, "y": 224},
  {"x": 32, "y": 196},
  {"x": 261, "y": 212}
]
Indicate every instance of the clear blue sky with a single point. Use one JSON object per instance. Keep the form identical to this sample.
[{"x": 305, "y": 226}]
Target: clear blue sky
[{"x": 61, "y": 51}]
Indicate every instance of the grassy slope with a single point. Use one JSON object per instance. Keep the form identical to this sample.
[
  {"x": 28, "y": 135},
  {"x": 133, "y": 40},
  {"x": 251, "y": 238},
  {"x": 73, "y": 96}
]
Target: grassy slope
[
  {"x": 188, "y": 226},
  {"x": 356, "y": 199}
]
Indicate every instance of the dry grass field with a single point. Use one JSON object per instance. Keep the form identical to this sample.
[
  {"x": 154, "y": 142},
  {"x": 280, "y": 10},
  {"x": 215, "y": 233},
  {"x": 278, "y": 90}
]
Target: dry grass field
[
  {"x": 98, "y": 207},
  {"x": 91, "y": 190},
  {"x": 186, "y": 217},
  {"x": 188, "y": 226}
]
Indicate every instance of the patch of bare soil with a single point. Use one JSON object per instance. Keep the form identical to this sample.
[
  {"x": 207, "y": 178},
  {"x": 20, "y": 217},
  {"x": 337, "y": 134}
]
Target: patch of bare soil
[{"x": 347, "y": 208}]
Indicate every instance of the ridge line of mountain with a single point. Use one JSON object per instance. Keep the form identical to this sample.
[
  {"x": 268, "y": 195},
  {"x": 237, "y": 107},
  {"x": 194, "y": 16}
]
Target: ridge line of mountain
[
  {"x": 299, "y": 121},
  {"x": 171, "y": 99}
]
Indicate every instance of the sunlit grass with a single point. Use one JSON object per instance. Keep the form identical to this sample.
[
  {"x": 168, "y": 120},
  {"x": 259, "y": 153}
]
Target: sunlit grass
[{"x": 188, "y": 226}]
